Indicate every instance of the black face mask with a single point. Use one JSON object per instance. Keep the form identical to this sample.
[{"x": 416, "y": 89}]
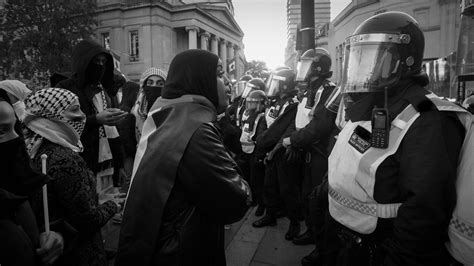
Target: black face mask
[
  {"x": 94, "y": 73},
  {"x": 151, "y": 94}
]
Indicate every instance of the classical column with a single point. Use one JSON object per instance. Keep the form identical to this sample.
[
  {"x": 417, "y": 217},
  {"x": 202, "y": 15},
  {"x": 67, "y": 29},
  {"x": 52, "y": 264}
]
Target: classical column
[
  {"x": 214, "y": 47},
  {"x": 204, "y": 40},
  {"x": 192, "y": 36},
  {"x": 223, "y": 54},
  {"x": 230, "y": 50},
  {"x": 238, "y": 72}
]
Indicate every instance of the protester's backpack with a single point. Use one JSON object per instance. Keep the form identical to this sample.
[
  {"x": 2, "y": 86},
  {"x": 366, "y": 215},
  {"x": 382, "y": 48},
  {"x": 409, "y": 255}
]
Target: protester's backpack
[{"x": 461, "y": 227}]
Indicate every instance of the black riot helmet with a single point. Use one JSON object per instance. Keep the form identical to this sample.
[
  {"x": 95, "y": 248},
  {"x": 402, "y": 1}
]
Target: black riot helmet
[
  {"x": 240, "y": 86},
  {"x": 252, "y": 85},
  {"x": 384, "y": 49},
  {"x": 281, "y": 82},
  {"x": 314, "y": 63}
]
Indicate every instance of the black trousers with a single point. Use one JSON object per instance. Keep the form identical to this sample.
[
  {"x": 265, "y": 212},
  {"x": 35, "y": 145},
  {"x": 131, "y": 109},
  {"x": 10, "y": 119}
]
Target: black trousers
[
  {"x": 257, "y": 175},
  {"x": 315, "y": 169},
  {"x": 283, "y": 183}
]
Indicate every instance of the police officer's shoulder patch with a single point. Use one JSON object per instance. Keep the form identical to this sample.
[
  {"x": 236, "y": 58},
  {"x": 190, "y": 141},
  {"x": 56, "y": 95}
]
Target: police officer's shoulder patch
[{"x": 360, "y": 139}]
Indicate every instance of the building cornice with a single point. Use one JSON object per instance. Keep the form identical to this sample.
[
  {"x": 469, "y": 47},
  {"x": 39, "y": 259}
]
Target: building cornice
[{"x": 198, "y": 8}]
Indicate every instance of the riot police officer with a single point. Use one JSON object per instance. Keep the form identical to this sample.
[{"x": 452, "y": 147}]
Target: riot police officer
[
  {"x": 253, "y": 125},
  {"x": 313, "y": 124},
  {"x": 392, "y": 171},
  {"x": 280, "y": 182}
]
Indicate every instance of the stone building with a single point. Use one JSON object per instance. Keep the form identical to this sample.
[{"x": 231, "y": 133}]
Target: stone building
[
  {"x": 439, "y": 20},
  {"x": 149, "y": 33}
]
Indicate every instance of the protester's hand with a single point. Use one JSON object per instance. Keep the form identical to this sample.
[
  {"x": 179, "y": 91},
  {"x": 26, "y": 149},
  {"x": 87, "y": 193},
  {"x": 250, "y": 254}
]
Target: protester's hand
[
  {"x": 119, "y": 202},
  {"x": 110, "y": 116},
  {"x": 292, "y": 155},
  {"x": 286, "y": 142},
  {"x": 51, "y": 247}
]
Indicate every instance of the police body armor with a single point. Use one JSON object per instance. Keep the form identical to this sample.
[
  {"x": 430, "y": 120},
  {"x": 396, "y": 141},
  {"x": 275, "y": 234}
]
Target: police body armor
[
  {"x": 275, "y": 111},
  {"x": 353, "y": 165},
  {"x": 248, "y": 132},
  {"x": 306, "y": 108}
]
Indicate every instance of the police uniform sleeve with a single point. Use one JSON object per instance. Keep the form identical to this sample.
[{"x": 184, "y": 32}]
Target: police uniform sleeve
[
  {"x": 427, "y": 159},
  {"x": 319, "y": 127}
]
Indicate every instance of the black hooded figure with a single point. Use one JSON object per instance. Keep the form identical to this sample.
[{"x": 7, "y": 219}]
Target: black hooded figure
[
  {"x": 186, "y": 185},
  {"x": 86, "y": 81}
]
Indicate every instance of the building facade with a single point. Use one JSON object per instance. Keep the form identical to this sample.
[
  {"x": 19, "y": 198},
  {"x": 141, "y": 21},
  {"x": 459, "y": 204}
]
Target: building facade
[
  {"x": 439, "y": 20},
  {"x": 149, "y": 33},
  {"x": 322, "y": 17}
]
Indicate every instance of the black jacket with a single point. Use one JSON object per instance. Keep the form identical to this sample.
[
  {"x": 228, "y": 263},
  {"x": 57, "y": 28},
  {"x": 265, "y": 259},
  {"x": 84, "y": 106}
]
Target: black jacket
[
  {"x": 83, "y": 53},
  {"x": 317, "y": 132},
  {"x": 278, "y": 129}
]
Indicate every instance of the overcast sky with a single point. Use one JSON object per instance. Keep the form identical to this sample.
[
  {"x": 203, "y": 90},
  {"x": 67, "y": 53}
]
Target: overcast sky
[{"x": 264, "y": 25}]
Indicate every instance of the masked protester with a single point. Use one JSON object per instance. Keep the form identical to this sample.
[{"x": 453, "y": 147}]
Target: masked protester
[
  {"x": 183, "y": 176},
  {"x": 151, "y": 85},
  {"x": 21, "y": 244},
  {"x": 280, "y": 183},
  {"x": 17, "y": 92},
  {"x": 253, "y": 124},
  {"x": 92, "y": 81},
  {"x": 392, "y": 171},
  {"x": 54, "y": 123}
]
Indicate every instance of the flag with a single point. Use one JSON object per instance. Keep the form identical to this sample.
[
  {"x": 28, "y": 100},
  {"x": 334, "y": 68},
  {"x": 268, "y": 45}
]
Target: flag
[
  {"x": 116, "y": 58},
  {"x": 231, "y": 67}
]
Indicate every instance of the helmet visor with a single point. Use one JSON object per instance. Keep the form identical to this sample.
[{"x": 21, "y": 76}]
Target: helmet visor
[
  {"x": 273, "y": 88},
  {"x": 370, "y": 67},
  {"x": 249, "y": 87},
  {"x": 303, "y": 68},
  {"x": 239, "y": 88}
]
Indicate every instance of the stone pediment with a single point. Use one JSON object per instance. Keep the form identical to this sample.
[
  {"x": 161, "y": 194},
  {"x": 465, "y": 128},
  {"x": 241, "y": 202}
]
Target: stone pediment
[{"x": 222, "y": 14}]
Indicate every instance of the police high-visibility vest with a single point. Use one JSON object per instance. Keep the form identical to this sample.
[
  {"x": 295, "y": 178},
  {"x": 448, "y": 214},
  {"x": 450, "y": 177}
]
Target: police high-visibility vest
[
  {"x": 248, "y": 145},
  {"x": 238, "y": 115},
  {"x": 274, "y": 112},
  {"x": 305, "y": 113},
  {"x": 352, "y": 169}
]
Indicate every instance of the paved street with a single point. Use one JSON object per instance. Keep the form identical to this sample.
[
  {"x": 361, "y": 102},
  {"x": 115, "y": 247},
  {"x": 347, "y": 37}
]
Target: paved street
[{"x": 245, "y": 245}]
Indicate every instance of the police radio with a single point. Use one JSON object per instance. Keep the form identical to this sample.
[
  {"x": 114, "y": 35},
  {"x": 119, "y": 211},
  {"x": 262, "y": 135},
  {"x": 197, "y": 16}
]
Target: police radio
[{"x": 380, "y": 126}]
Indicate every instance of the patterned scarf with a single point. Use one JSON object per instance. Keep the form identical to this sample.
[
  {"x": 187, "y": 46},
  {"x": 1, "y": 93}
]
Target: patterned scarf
[{"x": 44, "y": 120}]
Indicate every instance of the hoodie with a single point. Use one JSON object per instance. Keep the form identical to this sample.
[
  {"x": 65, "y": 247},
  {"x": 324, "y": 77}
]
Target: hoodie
[{"x": 80, "y": 84}]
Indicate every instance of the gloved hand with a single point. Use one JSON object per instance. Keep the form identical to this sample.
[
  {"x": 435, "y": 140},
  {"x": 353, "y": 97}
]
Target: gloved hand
[
  {"x": 270, "y": 155},
  {"x": 51, "y": 247},
  {"x": 292, "y": 155}
]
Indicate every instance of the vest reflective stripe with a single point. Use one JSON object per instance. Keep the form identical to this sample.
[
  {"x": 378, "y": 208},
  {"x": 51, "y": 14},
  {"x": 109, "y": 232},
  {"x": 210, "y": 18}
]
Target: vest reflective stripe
[
  {"x": 248, "y": 145},
  {"x": 304, "y": 115},
  {"x": 376, "y": 210},
  {"x": 352, "y": 174}
]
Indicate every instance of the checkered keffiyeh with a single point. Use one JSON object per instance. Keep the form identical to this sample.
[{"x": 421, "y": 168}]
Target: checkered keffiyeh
[{"x": 48, "y": 104}]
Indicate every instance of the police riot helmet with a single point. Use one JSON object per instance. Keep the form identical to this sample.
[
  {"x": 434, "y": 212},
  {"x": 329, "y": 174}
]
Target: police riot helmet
[
  {"x": 384, "y": 49},
  {"x": 255, "y": 99},
  {"x": 314, "y": 63},
  {"x": 282, "y": 81},
  {"x": 240, "y": 86},
  {"x": 253, "y": 84}
]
